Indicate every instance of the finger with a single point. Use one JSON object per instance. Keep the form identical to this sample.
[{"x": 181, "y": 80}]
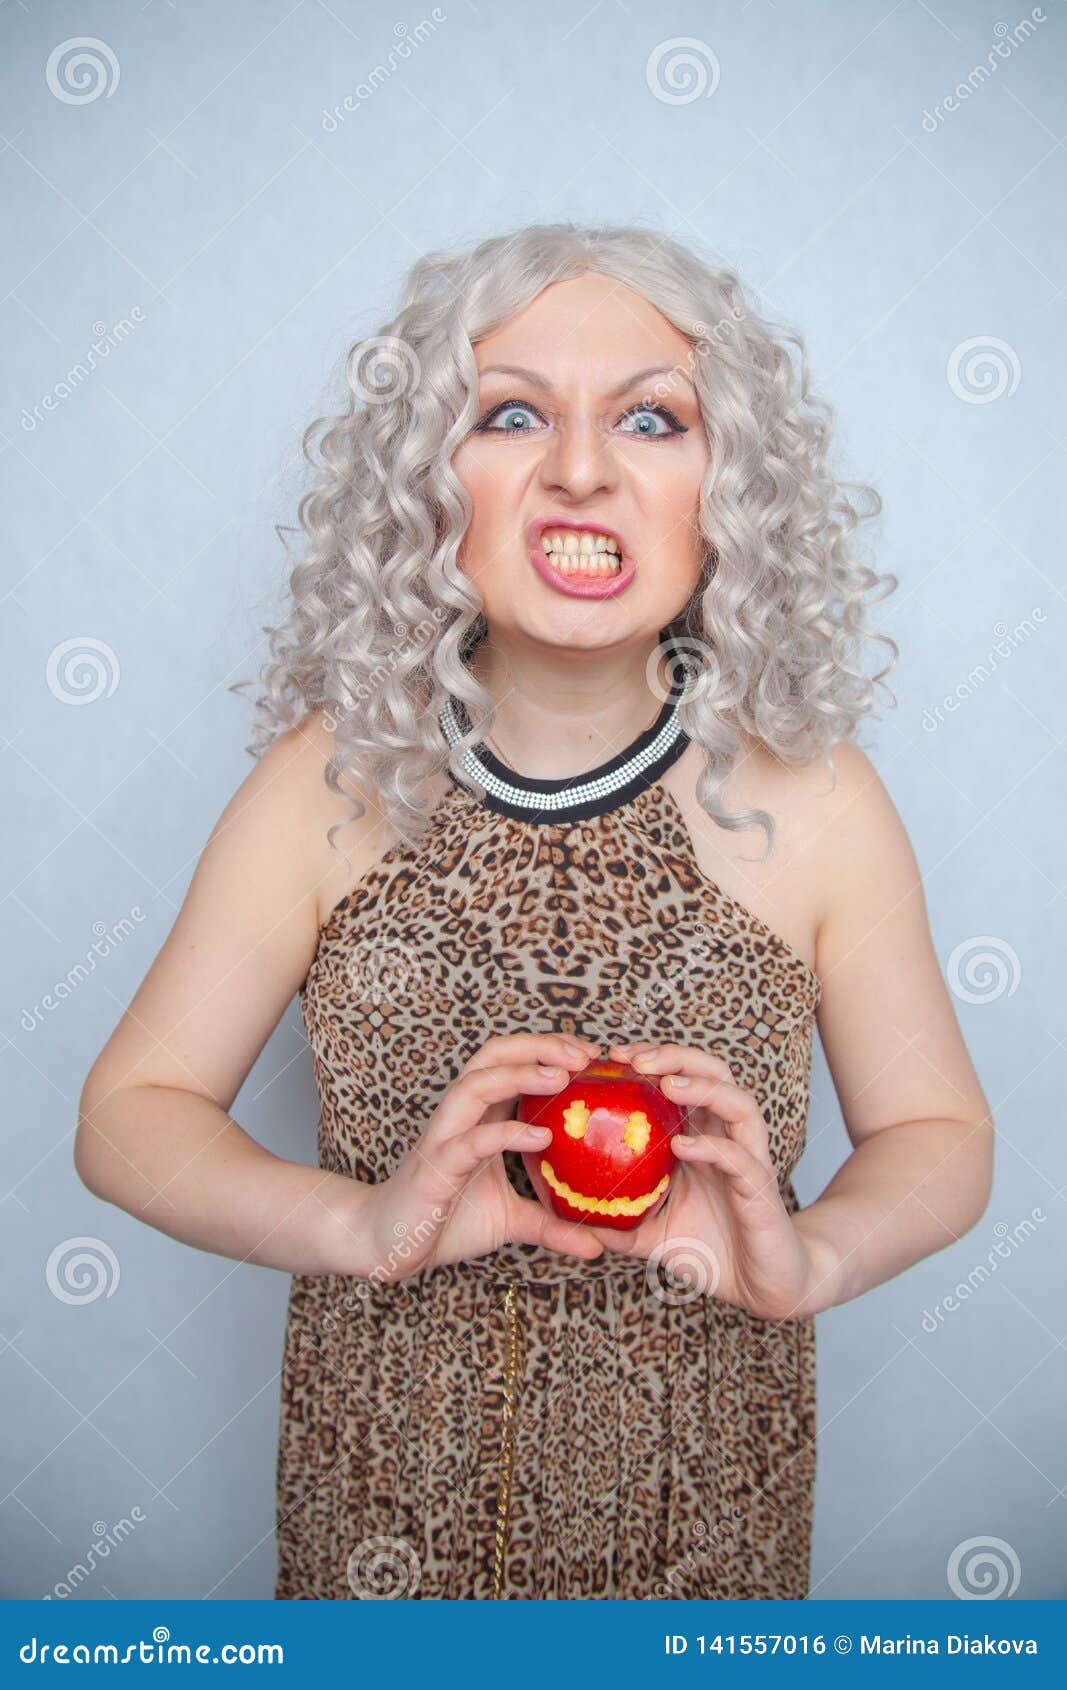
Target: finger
[
  {"x": 470, "y": 1096},
  {"x": 735, "y": 1107},
  {"x": 532, "y": 1224},
  {"x": 482, "y": 1142},
  {"x": 456, "y": 1160},
  {"x": 614, "y": 1239},
  {"x": 747, "y": 1177},
  {"x": 505, "y": 1048},
  {"x": 659, "y": 1060},
  {"x": 489, "y": 1138}
]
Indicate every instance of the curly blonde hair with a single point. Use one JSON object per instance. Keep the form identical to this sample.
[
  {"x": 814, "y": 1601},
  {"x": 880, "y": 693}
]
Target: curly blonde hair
[{"x": 382, "y": 620}]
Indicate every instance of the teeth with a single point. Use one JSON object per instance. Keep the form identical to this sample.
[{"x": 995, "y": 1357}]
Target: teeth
[{"x": 574, "y": 553}]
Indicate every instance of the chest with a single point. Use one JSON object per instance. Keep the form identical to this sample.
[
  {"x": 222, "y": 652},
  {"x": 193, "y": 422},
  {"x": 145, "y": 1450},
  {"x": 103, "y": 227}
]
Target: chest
[
  {"x": 609, "y": 932},
  {"x": 609, "y": 929}
]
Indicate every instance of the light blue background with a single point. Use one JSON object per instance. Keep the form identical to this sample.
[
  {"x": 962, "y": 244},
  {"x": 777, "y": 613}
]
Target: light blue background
[{"x": 256, "y": 243}]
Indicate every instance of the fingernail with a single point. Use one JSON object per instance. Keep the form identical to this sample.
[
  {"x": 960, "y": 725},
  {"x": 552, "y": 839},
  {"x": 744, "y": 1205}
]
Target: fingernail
[
  {"x": 544, "y": 1069},
  {"x": 684, "y": 1138},
  {"x": 575, "y": 1050},
  {"x": 645, "y": 1056},
  {"x": 539, "y": 1132},
  {"x": 678, "y": 1079}
]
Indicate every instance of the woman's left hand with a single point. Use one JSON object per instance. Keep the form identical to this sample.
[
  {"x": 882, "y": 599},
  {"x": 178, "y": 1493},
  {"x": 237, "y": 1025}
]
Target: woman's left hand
[{"x": 724, "y": 1197}]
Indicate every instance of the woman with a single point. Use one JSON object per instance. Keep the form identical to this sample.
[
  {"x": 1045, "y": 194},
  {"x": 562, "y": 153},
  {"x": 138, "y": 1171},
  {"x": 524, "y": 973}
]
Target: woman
[{"x": 577, "y": 620}]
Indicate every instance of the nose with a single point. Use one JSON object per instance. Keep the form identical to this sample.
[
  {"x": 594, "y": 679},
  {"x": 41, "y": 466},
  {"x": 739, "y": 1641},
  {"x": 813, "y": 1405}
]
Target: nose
[{"x": 578, "y": 461}]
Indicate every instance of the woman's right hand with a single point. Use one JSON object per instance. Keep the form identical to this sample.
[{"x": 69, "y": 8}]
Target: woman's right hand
[{"x": 449, "y": 1199}]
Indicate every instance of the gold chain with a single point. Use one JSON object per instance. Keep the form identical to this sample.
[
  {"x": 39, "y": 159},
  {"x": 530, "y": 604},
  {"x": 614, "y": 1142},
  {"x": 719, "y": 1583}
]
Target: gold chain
[{"x": 506, "y": 1443}]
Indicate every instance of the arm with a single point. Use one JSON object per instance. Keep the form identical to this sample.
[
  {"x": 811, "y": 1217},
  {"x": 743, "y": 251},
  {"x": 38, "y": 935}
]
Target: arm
[
  {"x": 920, "y": 1173},
  {"x": 155, "y": 1135}
]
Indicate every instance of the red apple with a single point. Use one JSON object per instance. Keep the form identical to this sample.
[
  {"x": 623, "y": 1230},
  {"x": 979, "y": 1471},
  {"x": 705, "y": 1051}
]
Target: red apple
[{"x": 610, "y": 1161}]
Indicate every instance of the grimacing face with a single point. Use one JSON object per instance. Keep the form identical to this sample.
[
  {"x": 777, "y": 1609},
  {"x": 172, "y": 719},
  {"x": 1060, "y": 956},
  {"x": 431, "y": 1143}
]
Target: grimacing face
[{"x": 574, "y": 427}]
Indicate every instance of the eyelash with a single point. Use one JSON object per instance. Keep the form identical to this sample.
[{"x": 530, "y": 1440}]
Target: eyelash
[{"x": 482, "y": 427}]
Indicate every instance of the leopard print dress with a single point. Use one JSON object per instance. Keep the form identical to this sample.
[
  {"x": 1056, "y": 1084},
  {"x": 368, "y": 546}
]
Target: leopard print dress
[{"x": 531, "y": 1425}]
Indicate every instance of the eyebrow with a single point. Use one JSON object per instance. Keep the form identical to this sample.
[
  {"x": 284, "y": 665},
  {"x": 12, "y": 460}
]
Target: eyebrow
[{"x": 615, "y": 392}]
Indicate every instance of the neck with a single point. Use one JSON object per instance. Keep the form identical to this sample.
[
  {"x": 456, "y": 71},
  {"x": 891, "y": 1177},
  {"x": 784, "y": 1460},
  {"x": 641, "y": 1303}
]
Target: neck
[{"x": 560, "y": 713}]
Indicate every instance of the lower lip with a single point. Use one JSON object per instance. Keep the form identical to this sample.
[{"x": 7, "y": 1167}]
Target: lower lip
[{"x": 578, "y": 586}]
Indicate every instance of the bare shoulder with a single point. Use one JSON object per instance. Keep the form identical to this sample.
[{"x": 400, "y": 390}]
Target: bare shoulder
[
  {"x": 887, "y": 1021},
  {"x": 244, "y": 937},
  {"x": 362, "y": 833},
  {"x": 861, "y": 839},
  {"x": 833, "y": 820},
  {"x": 782, "y": 888}
]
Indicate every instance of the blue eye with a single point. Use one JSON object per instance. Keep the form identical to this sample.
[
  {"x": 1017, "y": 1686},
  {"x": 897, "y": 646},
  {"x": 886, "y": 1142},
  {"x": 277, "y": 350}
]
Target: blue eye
[
  {"x": 646, "y": 414},
  {"x": 512, "y": 417},
  {"x": 517, "y": 416}
]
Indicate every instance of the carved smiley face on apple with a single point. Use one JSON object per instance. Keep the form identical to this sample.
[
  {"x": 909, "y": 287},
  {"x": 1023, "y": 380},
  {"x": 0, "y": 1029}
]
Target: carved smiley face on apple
[{"x": 610, "y": 1161}]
